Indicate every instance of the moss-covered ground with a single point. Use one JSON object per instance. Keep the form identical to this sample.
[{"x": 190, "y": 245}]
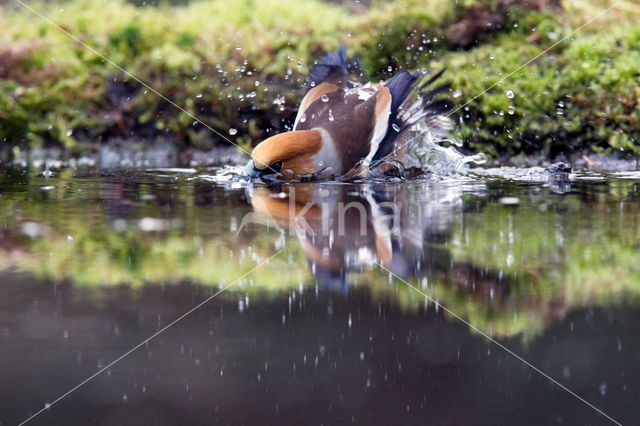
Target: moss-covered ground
[{"x": 240, "y": 68}]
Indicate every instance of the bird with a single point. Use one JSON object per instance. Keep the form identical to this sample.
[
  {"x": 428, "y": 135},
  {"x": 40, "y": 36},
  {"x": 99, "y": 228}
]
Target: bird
[{"x": 347, "y": 128}]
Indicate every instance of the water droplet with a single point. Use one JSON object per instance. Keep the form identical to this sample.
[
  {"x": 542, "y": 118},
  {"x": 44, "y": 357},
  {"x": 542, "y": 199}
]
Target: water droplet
[
  {"x": 603, "y": 388},
  {"x": 233, "y": 131},
  {"x": 510, "y": 94},
  {"x": 325, "y": 98},
  {"x": 509, "y": 201},
  {"x": 395, "y": 127},
  {"x": 457, "y": 93},
  {"x": 69, "y": 132},
  {"x": 331, "y": 115},
  {"x": 303, "y": 117},
  {"x": 511, "y": 110}
]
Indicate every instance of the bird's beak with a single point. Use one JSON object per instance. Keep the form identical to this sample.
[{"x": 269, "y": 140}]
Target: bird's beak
[{"x": 250, "y": 170}]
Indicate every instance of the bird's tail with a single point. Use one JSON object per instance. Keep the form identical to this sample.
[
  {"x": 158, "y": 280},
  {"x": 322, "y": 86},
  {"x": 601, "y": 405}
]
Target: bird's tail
[{"x": 332, "y": 63}]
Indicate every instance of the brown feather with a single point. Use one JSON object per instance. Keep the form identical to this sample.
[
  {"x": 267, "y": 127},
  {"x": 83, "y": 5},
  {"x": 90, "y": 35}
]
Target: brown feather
[
  {"x": 352, "y": 126},
  {"x": 315, "y": 94},
  {"x": 383, "y": 100}
]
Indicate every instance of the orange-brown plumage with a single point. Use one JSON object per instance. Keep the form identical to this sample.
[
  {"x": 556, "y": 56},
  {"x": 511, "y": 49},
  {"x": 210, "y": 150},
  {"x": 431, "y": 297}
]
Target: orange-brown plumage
[
  {"x": 344, "y": 128},
  {"x": 293, "y": 149}
]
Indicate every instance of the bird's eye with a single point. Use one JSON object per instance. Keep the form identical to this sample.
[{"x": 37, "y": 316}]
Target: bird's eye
[{"x": 275, "y": 167}]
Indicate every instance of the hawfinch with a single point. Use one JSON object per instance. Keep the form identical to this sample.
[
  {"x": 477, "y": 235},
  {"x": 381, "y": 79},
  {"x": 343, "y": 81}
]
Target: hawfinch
[{"x": 344, "y": 128}]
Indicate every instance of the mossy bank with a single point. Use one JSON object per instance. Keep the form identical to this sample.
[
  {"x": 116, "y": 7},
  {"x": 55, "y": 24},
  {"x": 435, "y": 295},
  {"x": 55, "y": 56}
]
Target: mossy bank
[{"x": 241, "y": 69}]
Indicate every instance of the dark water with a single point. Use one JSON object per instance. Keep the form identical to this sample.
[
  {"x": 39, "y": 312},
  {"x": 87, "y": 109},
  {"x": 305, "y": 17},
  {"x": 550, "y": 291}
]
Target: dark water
[{"x": 92, "y": 264}]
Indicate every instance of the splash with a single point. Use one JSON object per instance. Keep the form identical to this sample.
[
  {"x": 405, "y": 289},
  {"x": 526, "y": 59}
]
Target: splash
[
  {"x": 431, "y": 150},
  {"x": 231, "y": 177}
]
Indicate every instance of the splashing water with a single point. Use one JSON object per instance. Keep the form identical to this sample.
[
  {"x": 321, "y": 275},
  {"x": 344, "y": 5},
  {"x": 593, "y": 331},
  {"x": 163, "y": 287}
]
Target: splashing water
[
  {"x": 233, "y": 176},
  {"x": 426, "y": 151}
]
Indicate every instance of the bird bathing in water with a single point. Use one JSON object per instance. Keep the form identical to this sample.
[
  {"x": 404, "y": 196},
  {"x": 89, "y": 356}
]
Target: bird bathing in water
[{"x": 348, "y": 129}]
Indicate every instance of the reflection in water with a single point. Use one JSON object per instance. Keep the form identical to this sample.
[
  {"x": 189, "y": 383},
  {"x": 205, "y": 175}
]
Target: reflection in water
[
  {"x": 90, "y": 265},
  {"x": 345, "y": 228},
  {"x": 509, "y": 268}
]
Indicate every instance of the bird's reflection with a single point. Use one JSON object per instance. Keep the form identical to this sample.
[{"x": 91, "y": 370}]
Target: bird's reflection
[{"x": 344, "y": 228}]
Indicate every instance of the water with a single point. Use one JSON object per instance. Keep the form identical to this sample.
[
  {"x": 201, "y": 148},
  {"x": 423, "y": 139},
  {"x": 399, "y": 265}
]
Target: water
[{"x": 92, "y": 263}]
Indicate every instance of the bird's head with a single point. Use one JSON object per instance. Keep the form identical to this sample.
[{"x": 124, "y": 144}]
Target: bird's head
[{"x": 291, "y": 154}]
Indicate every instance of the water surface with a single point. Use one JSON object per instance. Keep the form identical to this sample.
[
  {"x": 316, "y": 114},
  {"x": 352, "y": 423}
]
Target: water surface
[{"x": 92, "y": 263}]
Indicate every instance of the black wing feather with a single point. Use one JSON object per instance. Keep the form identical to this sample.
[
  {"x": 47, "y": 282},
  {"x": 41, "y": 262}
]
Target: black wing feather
[{"x": 403, "y": 87}]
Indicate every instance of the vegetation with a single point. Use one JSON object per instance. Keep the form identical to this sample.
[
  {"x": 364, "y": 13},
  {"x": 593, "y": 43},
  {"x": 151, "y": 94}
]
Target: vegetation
[{"x": 241, "y": 69}]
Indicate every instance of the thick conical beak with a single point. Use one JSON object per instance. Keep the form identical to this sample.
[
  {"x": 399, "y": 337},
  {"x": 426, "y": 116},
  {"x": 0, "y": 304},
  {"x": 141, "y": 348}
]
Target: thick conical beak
[{"x": 249, "y": 169}]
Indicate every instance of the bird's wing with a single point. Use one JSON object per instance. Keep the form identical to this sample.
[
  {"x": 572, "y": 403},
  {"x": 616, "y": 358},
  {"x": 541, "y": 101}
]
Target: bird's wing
[
  {"x": 411, "y": 104},
  {"x": 313, "y": 95},
  {"x": 356, "y": 120}
]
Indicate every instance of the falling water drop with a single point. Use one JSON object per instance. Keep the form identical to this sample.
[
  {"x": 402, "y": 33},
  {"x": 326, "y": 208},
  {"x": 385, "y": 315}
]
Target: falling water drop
[
  {"x": 603, "y": 389},
  {"x": 233, "y": 131}
]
